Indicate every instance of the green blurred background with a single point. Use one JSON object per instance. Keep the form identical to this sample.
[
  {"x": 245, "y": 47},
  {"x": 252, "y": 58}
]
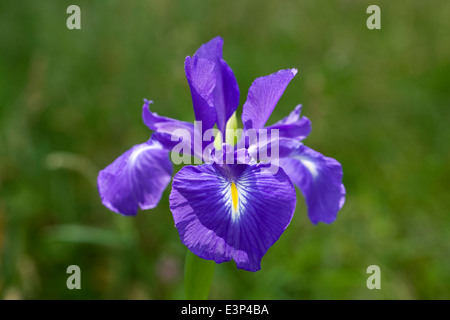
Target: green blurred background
[{"x": 70, "y": 103}]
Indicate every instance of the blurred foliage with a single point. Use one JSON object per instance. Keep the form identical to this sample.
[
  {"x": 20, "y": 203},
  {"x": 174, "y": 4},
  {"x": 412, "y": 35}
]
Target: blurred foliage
[{"x": 70, "y": 103}]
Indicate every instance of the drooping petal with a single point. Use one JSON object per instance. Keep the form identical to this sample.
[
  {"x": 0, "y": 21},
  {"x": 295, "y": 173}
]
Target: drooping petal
[
  {"x": 136, "y": 179},
  {"x": 263, "y": 95},
  {"x": 293, "y": 126},
  {"x": 225, "y": 94},
  {"x": 320, "y": 180},
  {"x": 231, "y": 212}
]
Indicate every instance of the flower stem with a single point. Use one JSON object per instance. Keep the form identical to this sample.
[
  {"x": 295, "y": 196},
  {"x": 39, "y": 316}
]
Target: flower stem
[{"x": 198, "y": 274}]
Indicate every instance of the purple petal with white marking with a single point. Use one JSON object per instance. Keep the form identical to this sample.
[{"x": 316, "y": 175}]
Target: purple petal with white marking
[
  {"x": 136, "y": 179},
  {"x": 215, "y": 225},
  {"x": 320, "y": 180}
]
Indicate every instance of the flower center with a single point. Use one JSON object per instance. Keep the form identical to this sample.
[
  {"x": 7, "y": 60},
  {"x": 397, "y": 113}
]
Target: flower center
[{"x": 234, "y": 195}]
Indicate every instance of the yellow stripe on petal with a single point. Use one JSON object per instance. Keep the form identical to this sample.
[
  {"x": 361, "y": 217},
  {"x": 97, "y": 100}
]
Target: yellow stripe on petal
[{"x": 234, "y": 195}]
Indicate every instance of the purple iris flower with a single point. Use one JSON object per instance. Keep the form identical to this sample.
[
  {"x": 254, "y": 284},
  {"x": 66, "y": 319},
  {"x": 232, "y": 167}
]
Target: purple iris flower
[{"x": 226, "y": 211}]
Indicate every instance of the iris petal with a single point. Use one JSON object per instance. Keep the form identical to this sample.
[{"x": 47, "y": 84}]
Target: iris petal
[
  {"x": 225, "y": 95},
  {"x": 170, "y": 132},
  {"x": 211, "y": 227},
  {"x": 293, "y": 126},
  {"x": 163, "y": 124},
  {"x": 202, "y": 80},
  {"x": 263, "y": 96},
  {"x": 136, "y": 179},
  {"x": 320, "y": 181}
]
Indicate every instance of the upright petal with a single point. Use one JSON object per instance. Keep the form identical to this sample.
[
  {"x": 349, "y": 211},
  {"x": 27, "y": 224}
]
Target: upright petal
[
  {"x": 136, "y": 179},
  {"x": 211, "y": 50},
  {"x": 320, "y": 181},
  {"x": 263, "y": 96},
  {"x": 231, "y": 212},
  {"x": 293, "y": 126},
  {"x": 202, "y": 81},
  {"x": 226, "y": 90}
]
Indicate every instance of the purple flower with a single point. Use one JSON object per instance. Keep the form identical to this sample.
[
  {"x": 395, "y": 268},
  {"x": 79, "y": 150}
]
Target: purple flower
[{"x": 227, "y": 211}]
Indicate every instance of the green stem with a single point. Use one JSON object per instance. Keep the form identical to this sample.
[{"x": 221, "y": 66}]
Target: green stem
[{"x": 198, "y": 274}]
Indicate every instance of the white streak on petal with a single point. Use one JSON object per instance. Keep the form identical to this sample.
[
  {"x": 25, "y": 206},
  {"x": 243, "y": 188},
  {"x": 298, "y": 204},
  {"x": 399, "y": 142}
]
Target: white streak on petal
[
  {"x": 138, "y": 151},
  {"x": 311, "y": 166}
]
